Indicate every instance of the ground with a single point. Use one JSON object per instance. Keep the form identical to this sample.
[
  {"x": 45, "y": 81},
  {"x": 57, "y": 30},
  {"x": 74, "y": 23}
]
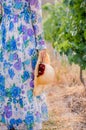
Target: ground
[{"x": 67, "y": 108}]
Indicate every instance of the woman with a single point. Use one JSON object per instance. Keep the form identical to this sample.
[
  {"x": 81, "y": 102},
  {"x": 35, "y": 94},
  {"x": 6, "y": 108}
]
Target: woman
[{"x": 21, "y": 38}]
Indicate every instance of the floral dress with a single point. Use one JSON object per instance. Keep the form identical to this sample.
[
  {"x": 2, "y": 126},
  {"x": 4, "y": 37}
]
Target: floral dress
[{"x": 21, "y": 35}]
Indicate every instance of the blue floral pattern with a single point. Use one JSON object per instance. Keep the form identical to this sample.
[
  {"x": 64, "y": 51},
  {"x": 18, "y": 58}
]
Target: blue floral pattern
[{"x": 21, "y": 35}]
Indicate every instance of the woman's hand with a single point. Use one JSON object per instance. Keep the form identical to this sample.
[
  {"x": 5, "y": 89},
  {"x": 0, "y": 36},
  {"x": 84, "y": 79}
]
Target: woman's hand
[{"x": 42, "y": 54}]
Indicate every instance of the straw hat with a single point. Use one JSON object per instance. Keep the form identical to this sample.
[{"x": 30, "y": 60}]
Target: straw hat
[{"x": 44, "y": 74}]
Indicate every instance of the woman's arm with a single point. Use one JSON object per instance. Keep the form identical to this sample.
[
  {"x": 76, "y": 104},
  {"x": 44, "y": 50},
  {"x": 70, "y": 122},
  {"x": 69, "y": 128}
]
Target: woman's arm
[{"x": 36, "y": 10}]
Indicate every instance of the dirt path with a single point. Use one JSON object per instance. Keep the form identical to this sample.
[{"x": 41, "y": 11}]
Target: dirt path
[{"x": 67, "y": 108}]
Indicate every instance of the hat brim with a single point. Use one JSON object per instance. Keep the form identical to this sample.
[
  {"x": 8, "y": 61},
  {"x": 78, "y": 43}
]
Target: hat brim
[{"x": 38, "y": 89}]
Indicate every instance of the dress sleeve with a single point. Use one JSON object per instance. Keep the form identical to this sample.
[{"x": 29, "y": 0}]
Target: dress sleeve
[{"x": 36, "y": 17}]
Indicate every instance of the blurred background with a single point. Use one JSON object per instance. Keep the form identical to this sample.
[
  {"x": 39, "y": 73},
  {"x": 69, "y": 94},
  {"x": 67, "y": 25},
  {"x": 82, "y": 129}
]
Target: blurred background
[{"x": 64, "y": 23}]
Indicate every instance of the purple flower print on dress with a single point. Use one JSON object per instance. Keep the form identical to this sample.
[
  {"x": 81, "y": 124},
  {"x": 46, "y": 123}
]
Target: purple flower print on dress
[
  {"x": 15, "y": 18},
  {"x": 8, "y": 111},
  {"x": 42, "y": 42},
  {"x": 24, "y": 29},
  {"x": 30, "y": 32},
  {"x": 32, "y": 84},
  {"x": 38, "y": 115},
  {"x": 18, "y": 38},
  {"x": 18, "y": 65},
  {"x": 23, "y": 92},
  {"x": 32, "y": 76},
  {"x": 25, "y": 37},
  {"x": 15, "y": 56},
  {"x": 34, "y": 2}
]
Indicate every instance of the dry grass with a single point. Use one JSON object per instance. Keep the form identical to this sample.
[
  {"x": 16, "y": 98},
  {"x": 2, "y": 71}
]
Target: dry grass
[
  {"x": 66, "y": 74},
  {"x": 67, "y": 108},
  {"x": 66, "y": 103}
]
